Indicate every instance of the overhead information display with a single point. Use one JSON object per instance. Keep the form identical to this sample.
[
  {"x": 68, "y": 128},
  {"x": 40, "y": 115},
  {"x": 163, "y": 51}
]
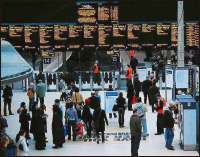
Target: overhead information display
[
  {"x": 31, "y": 37},
  {"x": 134, "y": 35},
  {"x": 16, "y": 36},
  {"x": 46, "y": 34},
  {"x": 119, "y": 35},
  {"x": 90, "y": 36},
  {"x": 104, "y": 13},
  {"x": 192, "y": 34},
  {"x": 104, "y": 36},
  {"x": 174, "y": 35},
  {"x": 114, "y": 13},
  {"x": 4, "y": 32},
  {"x": 60, "y": 37},
  {"x": 148, "y": 35},
  {"x": 75, "y": 36},
  {"x": 87, "y": 13},
  {"x": 163, "y": 35}
]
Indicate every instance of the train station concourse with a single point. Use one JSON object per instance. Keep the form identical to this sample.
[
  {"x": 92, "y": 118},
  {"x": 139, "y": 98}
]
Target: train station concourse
[{"x": 100, "y": 78}]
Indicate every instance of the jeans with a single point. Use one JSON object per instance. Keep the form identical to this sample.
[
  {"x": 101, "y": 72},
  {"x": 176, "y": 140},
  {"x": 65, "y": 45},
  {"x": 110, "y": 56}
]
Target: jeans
[
  {"x": 135, "y": 143},
  {"x": 121, "y": 112},
  {"x": 144, "y": 127},
  {"x": 159, "y": 123},
  {"x": 169, "y": 136},
  {"x": 71, "y": 124},
  {"x": 7, "y": 102}
]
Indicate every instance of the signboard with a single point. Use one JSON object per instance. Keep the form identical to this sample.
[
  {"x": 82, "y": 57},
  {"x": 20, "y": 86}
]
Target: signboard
[
  {"x": 90, "y": 36},
  {"x": 47, "y": 60},
  {"x": 75, "y": 36},
  {"x": 148, "y": 35},
  {"x": 142, "y": 74},
  {"x": 104, "y": 13},
  {"x": 4, "y": 32},
  {"x": 60, "y": 37},
  {"x": 181, "y": 78},
  {"x": 169, "y": 77},
  {"x": 134, "y": 35},
  {"x": 110, "y": 100},
  {"x": 119, "y": 35},
  {"x": 104, "y": 36},
  {"x": 174, "y": 34}
]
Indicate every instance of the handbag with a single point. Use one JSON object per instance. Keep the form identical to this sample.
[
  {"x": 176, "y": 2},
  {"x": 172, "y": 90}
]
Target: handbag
[
  {"x": 133, "y": 99},
  {"x": 115, "y": 108}
]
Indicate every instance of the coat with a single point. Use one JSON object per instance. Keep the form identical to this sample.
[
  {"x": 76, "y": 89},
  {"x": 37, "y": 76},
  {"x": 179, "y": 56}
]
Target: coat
[
  {"x": 7, "y": 93},
  {"x": 57, "y": 126},
  {"x": 137, "y": 85},
  {"x": 99, "y": 118},
  {"x": 86, "y": 114},
  {"x": 130, "y": 91},
  {"x": 153, "y": 91},
  {"x": 146, "y": 84},
  {"x": 121, "y": 101},
  {"x": 41, "y": 89}
]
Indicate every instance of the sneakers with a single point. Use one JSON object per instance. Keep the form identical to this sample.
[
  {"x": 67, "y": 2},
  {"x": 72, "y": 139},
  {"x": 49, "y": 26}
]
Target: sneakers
[{"x": 170, "y": 147}]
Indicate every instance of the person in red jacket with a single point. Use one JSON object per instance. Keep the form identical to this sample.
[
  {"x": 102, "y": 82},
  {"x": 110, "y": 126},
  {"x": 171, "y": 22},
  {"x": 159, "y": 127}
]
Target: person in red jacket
[{"x": 96, "y": 73}]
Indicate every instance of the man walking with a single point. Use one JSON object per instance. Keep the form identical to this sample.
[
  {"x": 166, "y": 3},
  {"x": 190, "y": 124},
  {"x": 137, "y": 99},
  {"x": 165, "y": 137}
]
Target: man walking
[
  {"x": 146, "y": 84},
  {"x": 40, "y": 91},
  {"x": 7, "y": 95},
  {"x": 135, "y": 129}
]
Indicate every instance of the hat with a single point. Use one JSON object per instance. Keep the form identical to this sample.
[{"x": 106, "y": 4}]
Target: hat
[
  {"x": 23, "y": 104},
  {"x": 57, "y": 101}
]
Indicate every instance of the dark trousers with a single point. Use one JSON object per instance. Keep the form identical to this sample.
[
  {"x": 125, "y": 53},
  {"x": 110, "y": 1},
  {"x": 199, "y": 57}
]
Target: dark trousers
[
  {"x": 114, "y": 114},
  {"x": 71, "y": 125},
  {"x": 79, "y": 114},
  {"x": 129, "y": 104},
  {"x": 41, "y": 100},
  {"x": 145, "y": 97},
  {"x": 137, "y": 93},
  {"x": 152, "y": 106},
  {"x": 7, "y": 102},
  {"x": 121, "y": 112},
  {"x": 159, "y": 123},
  {"x": 102, "y": 136},
  {"x": 88, "y": 128},
  {"x": 25, "y": 127},
  {"x": 135, "y": 143}
]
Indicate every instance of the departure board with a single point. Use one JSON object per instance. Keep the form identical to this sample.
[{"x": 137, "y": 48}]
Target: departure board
[
  {"x": 46, "y": 34},
  {"x": 192, "y": 34},
  {"x": 114, "y": 13},
  {"x": 31, "y": 37},
  {"x": 163, "y": 35},
  {"x": 119, "y": 35},
  {"x": 87, "y": 13},
  {"x": 60, "y": 37},
  {"x": 90, "y": 36},
  {"x": 16, "y": 36},
  {"x": 174, "y": 35},
  {"x": 134, "y": 35},
  {"x": 104, "y": 36},
  {"x": 75, "y": 36},
  {"x": 4, "y": 32},
  {"x": 148, "y": 35},
  {"x": 104, "y": 13}
]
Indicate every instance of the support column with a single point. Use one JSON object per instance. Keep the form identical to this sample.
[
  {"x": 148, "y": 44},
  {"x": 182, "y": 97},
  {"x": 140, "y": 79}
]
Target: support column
[{"x": 180, "y": 23}]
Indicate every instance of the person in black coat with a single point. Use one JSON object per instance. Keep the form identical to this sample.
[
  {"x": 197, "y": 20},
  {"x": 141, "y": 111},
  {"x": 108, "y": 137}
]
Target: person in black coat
[
  {"x": 153, "y": 92},
  {"x": 133, "y": 63},
  {"x": 57, "y": 126},
  {"x": 7, "y": 95},
  {"x": 121, "y": 101},
  {"x": 99, "y": 118},
  {"x": 87, "y": 119},
  {"x": 130, "y": 94},
  {"x": 38, "y": 129},
  {"x": 146, "y": 84},
  {"x": 137, "y": 86}
]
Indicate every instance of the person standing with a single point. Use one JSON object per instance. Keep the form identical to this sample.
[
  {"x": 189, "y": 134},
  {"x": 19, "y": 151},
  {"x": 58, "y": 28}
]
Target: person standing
[
  {"x": 77, "y": 99},
  {"x": 71, "y": 120},
  {"x": 96, "y": 73},
  {"x": 31, "y": 96},
  {"x": 121, "y": 101},
  {"x": 135, "y": 129},
  {"x": 57, "y": 126},
  {"x": 146, "y": 84},
  {"x": 141, "y": 111},
  {"x": 169, "y": 126},
  {"x": 99, "y": 118},
  {"x": 130, "y": 94},
  {"x": 137, "y": 86},
  {"x": 129, "y": 74},
  {"x": 152, "y": 93},
  {"x": 133, "y": 63},
  {"x": 159, "y": 108},
  {"x": 7, "y": 96},
  {"x": 41, "y": 91}
]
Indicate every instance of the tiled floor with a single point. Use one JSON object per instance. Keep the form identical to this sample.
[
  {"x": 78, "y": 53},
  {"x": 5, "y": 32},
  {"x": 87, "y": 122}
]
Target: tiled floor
[{"x": 154, "y": 145}]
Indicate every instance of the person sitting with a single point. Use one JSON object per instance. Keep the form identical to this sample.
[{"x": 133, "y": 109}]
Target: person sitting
[{"x": 21, "y": 141}]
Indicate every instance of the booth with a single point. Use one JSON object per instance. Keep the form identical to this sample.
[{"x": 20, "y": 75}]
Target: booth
[{"x": 188, "y": 122}]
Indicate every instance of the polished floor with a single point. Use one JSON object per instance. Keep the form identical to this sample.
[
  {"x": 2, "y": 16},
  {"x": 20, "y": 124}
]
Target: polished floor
[{"x": 153, "y": 146}]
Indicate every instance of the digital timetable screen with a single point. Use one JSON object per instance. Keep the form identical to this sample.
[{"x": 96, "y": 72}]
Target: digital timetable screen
[
  {"x": 4, "y": 32},
  {"x": 174, "y": 35},
  {"x": 163, "y": 35},
  {"x": 46, "y": 35},
  {"x": 87, "y": 13},
  {"x": 134, "y": 35},
  {"x": 16, "y": 36},
  {"x": 60, "y": 37},
  {"x": 104, "y": 13},
  {"x": 31, "y": 37},
  {"x": 148, "y": 35},
  {"x": 90, "y": 36},
  {"x": 119, "y": 36},
  {"x": 192, "y": 35},
  {"x": 75, "y": 36},
  {"x": 105, "y": 36}
]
